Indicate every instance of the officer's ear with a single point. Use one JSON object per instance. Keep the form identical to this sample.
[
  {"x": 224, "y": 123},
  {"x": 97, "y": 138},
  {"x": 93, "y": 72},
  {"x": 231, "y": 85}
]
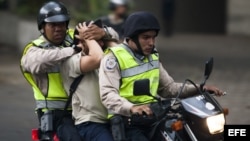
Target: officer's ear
[
  {"x": 42, "y": 29},
  {"x": 127, "y": 39}
]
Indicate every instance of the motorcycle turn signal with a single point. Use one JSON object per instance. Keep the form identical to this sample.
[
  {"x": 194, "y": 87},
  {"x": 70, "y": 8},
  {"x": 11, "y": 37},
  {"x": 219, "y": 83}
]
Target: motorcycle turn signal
[{"x": 177, "y": 125}]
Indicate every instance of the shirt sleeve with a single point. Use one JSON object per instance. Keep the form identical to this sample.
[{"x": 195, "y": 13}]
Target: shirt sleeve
[
  {"x": 168, "y": 88},
  {"x": 109, "y": 81},
  {"x": 38, "y": 60},
  {"x": 73, "y": 65}
]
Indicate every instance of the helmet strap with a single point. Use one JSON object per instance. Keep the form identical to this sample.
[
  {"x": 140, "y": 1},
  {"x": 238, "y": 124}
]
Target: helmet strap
[{"x": 138, "y": 45}]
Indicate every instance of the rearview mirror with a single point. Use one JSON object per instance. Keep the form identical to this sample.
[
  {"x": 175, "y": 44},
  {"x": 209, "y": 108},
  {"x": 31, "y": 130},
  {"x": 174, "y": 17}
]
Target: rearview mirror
[
  {"x": 208, "y": 68},
  {"x": 142, "y": 87}
]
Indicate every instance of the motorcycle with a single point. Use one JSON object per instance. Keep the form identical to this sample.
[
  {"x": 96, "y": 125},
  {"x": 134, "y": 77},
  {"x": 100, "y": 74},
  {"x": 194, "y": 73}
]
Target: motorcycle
[
  {"x": 55, "y": 125},
  {"x": 196, "y": 118}
]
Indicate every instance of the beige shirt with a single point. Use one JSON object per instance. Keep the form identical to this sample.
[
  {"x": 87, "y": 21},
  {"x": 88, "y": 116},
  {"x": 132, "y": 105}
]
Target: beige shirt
[
  {"x": 86, "y": 102},
  {"x": 109, "y": 80}
]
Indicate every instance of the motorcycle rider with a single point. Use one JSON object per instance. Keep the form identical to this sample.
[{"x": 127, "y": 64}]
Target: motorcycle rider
[
  {"x": 136, "y": 59},
  {"x": 117, "y": 16},
  {"x": 40, "y": 66}
]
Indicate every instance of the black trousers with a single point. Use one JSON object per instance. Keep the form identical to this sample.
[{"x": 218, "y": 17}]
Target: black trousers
[
  {"x": 141, "y": 134},
  {"x": 66, "y": 131}
]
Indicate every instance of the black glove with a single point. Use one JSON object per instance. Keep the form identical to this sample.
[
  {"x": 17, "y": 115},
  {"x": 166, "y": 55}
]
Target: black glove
[
  {"x": 76, "y": 42},
  {"x": 76, "y": 48}
]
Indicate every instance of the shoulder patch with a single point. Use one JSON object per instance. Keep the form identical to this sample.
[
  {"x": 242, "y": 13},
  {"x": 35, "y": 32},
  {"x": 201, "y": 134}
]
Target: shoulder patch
[{"x": 110, "y": 63}]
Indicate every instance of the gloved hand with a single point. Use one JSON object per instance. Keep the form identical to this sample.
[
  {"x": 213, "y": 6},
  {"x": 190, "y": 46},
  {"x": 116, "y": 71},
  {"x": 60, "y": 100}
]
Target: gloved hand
[
  {"x": 76, "y": 42},
  {"x": 76, "y": 48}
]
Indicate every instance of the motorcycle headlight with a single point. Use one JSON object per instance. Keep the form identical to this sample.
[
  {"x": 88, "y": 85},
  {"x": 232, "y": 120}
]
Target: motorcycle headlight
[{"x": 216, "y": 124}]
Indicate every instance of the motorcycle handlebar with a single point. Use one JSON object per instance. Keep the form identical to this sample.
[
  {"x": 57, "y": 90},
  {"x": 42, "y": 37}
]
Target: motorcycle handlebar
[{"x": 213, "y": 94}]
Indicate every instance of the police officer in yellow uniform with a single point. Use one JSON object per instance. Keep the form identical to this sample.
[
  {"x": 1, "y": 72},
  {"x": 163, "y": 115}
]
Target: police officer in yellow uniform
[
  {"x": 40, "y": 66},
  {"x": 137, "y": 59}
]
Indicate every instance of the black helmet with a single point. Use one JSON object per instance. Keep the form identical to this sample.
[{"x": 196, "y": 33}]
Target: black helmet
[
  {"x": 139, "y": 22},
  {"x": 114, "y": 3},
  {"x": 52, "y": 12}
]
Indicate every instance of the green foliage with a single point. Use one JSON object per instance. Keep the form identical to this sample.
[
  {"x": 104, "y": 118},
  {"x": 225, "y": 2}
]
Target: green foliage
[
  {"x": 89, "y": 10},
  {"x": 80, "y": 10},
  {"x": 28, "y": 8}
]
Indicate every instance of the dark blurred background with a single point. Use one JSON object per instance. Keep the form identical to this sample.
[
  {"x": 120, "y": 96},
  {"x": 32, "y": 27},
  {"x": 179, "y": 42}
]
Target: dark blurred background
[
  {"x": 191, "y": 32},
  {"x": 223, "y": 17}
]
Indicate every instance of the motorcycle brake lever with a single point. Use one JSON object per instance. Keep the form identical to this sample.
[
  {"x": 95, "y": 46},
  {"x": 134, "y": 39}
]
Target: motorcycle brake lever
[{"x": 224, "y": 93}]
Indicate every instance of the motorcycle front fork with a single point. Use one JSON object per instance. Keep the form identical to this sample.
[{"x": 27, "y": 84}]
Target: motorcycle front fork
[{"x": 190, "y": 132}]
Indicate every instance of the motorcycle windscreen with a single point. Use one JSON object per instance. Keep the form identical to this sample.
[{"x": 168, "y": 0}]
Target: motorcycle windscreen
[{"x": 200, "y": 106}]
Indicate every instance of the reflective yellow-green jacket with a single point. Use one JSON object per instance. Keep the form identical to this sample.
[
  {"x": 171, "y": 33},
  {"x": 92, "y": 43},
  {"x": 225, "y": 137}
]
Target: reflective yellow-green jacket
[
  {"x": 55, "y": 97},
  {"x": 133, "y": 69}
]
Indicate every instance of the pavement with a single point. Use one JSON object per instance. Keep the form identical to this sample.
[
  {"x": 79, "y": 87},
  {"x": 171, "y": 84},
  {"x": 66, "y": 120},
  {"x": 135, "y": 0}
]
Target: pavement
[
  {"x": 16, "y": 99},
  {"x": 183, "y": 56}
]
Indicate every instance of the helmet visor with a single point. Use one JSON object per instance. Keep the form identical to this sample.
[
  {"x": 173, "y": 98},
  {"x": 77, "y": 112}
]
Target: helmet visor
[{"x": 57, "y": 18}]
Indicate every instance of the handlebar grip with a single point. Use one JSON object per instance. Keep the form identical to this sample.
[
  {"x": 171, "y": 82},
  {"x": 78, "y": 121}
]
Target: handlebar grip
[
  {"x": 224, "y": 93},
  {"x": 136, "y": 115}
]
